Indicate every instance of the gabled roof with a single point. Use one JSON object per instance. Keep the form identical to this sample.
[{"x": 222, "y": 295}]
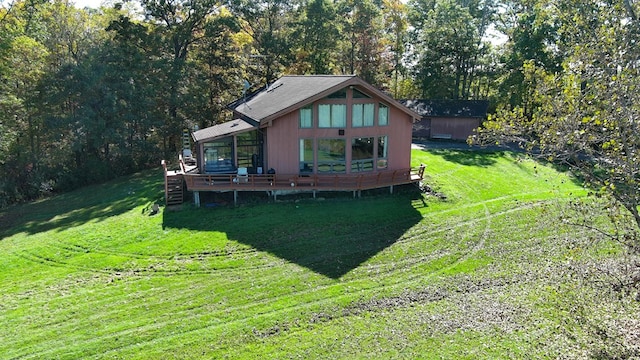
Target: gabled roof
[
  {"x": 295, "y": 91},
  {"x": 448, "y": 108},
  {"x": 225, "y": 129}
]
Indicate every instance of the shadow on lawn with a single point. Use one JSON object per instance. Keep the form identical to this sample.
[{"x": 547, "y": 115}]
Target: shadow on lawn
[
  {"x": 329, "y": 237},
  {"x": 92, "y": 203},
  {"x": 474, "y": 157}
]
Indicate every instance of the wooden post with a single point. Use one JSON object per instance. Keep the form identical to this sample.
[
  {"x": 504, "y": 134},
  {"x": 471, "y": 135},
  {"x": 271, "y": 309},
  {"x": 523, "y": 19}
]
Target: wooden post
[
  {"x": 166, "y": 184},
  {"x": 196, "y": 198},
  {"x": 235, "y": 197}
]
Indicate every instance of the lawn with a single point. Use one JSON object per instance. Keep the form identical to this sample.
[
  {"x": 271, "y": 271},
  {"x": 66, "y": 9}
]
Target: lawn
[{"x": 480, "y": 267}]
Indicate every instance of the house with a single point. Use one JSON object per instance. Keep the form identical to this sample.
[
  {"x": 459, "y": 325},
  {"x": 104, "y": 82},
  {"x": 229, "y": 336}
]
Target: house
[
  {"x": 447, "y": 119},
  {"x": 307, "y": 133}
]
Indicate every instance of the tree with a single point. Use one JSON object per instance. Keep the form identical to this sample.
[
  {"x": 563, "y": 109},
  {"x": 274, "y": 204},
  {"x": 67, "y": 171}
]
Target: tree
[
  {"x": 396, "y": 23},
  {"x": 268, "y": 23},
  {"x": 214, "y": 72},
  {"x": 531, "y": 28},
  {"x": 317, "y": 34},
  {"x": 181, "y": 24},
  {"x": 448, "y": 40},
  {"x": 364, "y": 44},
  {"x": 588, "y": 116}
]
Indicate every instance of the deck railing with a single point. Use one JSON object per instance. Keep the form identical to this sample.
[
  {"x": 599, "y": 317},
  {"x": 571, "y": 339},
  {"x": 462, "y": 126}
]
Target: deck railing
[{"x": 296, "y": 182}]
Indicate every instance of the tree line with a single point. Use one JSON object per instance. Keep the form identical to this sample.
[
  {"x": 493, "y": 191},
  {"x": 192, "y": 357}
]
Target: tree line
[{"x": 90, "y": 94}]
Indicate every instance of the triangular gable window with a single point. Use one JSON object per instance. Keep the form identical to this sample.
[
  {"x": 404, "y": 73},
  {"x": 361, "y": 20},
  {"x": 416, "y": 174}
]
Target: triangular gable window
[
  {"x": 340, "y": 94},
  {"x": 357, "y": 94}
]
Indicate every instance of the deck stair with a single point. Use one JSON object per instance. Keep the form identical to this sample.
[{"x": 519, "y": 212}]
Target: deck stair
[
  {"x": 173, "y": 185},
  {"x": 175, "y": 191}
]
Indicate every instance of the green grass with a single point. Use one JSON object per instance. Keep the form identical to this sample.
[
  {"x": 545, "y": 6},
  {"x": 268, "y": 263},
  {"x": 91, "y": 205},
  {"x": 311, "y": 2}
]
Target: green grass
[{"x": 480, "y": 274}]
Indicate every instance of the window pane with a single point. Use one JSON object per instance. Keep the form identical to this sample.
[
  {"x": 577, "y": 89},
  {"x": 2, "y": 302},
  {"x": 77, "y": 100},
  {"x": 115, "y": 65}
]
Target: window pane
[
  {"x": 218, "y": 156},
  {"x": 361, "y": 154},
  {"x": 357, "y": 94},
  {"x": 340, "y": 94},
  {"x": 306, "y": 117},
  {"x": 383, "y": 115},
  {"x": 339, "y": 115},
  {"x": 324, "y": 116},
  {"x": 368, "y": 114},
  {"x": 331, "y": 155},
  {"x": 382, "y": 147},
  {"x": 248, "y": 151},
  {"x": 356, "y": 116},
  {"x": 362, "y": 148},
  {"x": 306, "y": 155},
  {"x": 382, "y": 152}
]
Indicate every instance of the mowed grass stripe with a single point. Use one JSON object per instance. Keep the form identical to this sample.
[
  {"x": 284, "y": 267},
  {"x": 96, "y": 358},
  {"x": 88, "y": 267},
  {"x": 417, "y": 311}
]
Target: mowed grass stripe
[
  {"x": 180, "y": 314},
  {"x": 223, "y": 306},
  {"x": 177, "y": 315}
]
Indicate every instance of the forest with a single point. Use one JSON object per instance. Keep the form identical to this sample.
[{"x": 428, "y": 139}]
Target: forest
[{"x": 90, "y": 94}]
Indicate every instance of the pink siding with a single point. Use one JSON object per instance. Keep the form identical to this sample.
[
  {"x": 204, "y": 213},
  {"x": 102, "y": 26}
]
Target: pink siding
[{"x": 284, "y": 134}]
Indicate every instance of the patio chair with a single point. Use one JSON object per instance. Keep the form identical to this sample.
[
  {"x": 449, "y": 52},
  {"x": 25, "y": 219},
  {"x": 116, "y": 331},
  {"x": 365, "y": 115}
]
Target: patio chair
[
  {"x": 243, "y": 175},
  {"x": 187, "y": 157}
]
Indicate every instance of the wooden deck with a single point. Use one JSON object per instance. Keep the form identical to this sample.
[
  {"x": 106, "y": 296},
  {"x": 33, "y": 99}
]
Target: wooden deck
[
  {"x": 291, "y": 183},
  {"x": 295, "y": 182}
]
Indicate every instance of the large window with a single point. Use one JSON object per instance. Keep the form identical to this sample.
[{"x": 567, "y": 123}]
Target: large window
[
  {"x": 331, "y": 156},
  {"x": 332, "y": 115},
  {"x": 306, "y": 117},
  {"x": 382, "y": 152},
  {"x": 218, "y": 156},
  {"x": 362, "y": 154},
  {"x": 383, "y": 115},
  {"x": 362, "y": 115},
  {"x": 306, "y": 155},
  {"x": 249, "y": 151}
]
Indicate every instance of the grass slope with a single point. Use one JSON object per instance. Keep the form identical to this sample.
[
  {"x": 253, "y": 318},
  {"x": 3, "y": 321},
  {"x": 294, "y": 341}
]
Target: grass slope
[{"x": 91, "y": 274}]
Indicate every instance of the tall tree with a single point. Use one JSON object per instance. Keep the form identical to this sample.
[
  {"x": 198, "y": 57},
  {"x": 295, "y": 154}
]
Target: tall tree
[
  {"x": 531, "y": 28},
  {"x": 269, "y": 24},
  {"x": 214, "y": 72},
  {"x": 317, "y": 37},
  {"x": 588, "y": 115},
  {"x": 181, "y": 23},
  {"x": 363, "y": 41},
  {"x": 396, "y": 24},
  {"x": 448, "y": 41}
]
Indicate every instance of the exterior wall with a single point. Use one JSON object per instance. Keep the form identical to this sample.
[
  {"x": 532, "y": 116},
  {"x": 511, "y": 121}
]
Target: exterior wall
[
  {"x": 284, "y": 134},
  {"x": 422, "y": 128},
  {"x": 456, "y": 128}
]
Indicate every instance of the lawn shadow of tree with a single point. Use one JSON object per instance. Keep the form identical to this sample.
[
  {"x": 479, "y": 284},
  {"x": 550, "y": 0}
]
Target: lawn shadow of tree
[
  {"x": 480, "y": 158},
  {"x": 91, "y": 203},
  {"x": 329, "y": 237}
]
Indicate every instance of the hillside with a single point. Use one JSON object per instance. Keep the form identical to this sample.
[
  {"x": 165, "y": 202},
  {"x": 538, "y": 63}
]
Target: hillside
[{"x": 483, "y": 270}]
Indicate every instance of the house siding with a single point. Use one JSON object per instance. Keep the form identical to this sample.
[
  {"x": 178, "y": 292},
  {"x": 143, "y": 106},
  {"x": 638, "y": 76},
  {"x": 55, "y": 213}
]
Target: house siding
[
  {"x": 284, "y": 134},
  {"x": 456, "y": 128}
]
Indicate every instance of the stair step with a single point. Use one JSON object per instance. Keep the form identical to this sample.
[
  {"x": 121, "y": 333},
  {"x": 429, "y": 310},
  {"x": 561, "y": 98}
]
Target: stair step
[{"x": 175, "y": 188}]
